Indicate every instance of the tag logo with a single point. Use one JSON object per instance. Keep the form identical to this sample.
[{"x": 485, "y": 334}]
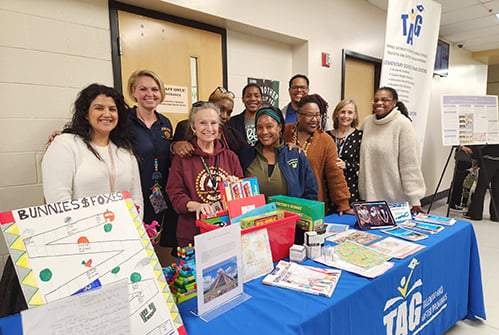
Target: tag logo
[
  {"x": 403, "y": 312},
  {"x": 412, "y": 24},
  {"x": 293, "y": 162}
]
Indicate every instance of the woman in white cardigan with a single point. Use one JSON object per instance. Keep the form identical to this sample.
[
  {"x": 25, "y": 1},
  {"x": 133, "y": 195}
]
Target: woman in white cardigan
[
  {"x": 94, "y": 154},
  {"x": 390, "y": 167}
]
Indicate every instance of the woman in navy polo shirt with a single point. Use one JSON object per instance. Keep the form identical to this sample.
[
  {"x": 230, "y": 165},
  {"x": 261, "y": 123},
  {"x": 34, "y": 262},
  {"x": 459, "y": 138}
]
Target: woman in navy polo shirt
[{"x": 152, "y": 135}]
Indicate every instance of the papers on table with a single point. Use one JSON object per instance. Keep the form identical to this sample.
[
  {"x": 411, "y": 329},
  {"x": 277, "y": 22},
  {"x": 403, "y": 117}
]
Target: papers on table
[
  {"x": 396, "y": 248},
  {"x": 357, "y": 236},
  {"x": 101, "y": 311}
]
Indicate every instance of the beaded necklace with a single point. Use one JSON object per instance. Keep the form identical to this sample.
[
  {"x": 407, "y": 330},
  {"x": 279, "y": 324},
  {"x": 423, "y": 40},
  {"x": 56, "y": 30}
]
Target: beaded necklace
[{"x": 305, "y": 145}]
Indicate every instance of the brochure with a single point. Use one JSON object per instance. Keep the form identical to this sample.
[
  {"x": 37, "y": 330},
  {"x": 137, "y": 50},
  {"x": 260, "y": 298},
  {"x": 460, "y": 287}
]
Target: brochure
[
  {"x": 435, "y": 219},
  {"x": 401, "y": 211},
  {"x": 396, "y": 248},
  {"x": 256, "y": 254},
  {"x": 334, "y": 228},
  {"x": 308, "y": 279},
  {"x": 357, "y": 236},
  {"x": 406, "y": 234},
  {"x": 424, "y": 227},
  {"x": 373, "y": 214}
]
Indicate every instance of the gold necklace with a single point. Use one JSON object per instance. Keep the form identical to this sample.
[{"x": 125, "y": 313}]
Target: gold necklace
[{"x": 307, "y": 143}]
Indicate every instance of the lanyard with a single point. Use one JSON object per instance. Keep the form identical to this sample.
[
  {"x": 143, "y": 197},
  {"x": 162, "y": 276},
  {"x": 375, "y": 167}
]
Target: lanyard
[
  {"x": 213, "y": 178},
  {"x": 340, "y": 149},
  {"x": 112, "y": 172}
]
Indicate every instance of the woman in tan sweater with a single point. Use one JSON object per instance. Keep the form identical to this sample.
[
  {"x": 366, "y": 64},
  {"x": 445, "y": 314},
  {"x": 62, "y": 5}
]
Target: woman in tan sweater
[{"x": 308, "y": 133}]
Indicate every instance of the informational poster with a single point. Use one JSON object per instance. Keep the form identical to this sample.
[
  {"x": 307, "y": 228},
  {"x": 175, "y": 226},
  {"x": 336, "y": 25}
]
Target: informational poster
[
  {"x": 270, "y": 91},
  {"x": 469, "y": 120},
  {"x": 410, "y": 47},
  {"x": 218, "y": 267},
  {"x": 176, "y": 100},
  {"x": 65, "y": 248}
]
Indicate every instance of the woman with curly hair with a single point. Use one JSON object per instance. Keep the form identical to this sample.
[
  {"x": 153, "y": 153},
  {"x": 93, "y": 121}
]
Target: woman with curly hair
[
  {"x": 308, "y": 133},
  {"x": 94, "y": 154}
]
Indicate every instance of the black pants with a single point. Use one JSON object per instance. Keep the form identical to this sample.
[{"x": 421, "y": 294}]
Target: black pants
[
  {"x": 488, "y": 175},
  {"x": 460, "y": 173}
]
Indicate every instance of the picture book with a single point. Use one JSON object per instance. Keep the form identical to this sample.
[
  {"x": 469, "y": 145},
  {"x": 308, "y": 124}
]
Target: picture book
[
  {"x": 435, "y": 219},
  {"x": 61, "y": 249},
  {"x": 396, "y": 248},
  {"x": 308, "y": 279},
  {"x": 373, "y": 214},
  {"x": 405, "y": 234},
  {"x": 424, "y": 227},
  {"x": 357, "y": 236}
]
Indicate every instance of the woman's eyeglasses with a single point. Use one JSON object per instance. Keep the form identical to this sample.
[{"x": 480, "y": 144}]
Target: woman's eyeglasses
[{"x": 225, "y": 91}]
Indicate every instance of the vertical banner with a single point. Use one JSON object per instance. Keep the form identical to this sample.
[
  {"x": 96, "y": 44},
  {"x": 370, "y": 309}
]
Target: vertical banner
[{"x": 410, "y": 45}]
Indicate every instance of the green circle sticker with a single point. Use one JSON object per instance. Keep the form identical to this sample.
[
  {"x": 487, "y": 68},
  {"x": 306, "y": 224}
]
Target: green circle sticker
[
  {"x": 45, "y": 275},
  {"x": 108, "y": 227},
  {"x": 135, "y": 277},
  {"x": 115, "y": 270}
]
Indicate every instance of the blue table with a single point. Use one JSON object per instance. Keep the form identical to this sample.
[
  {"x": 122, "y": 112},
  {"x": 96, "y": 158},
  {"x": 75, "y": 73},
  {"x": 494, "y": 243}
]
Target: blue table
[{"x": 444, "y": 287}]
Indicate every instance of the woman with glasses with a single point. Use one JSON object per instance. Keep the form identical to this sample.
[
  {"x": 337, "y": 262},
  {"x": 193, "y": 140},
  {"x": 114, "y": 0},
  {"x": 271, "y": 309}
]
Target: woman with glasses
[
  {"x": 347, "y": 139},
  {"x": 279, "y": 169},
  {"x": 308, "y": 134},
  {"x": 229, "y": 136},
  {"x": 193, "y": 182},
  {"x": 390, "y": 167}
]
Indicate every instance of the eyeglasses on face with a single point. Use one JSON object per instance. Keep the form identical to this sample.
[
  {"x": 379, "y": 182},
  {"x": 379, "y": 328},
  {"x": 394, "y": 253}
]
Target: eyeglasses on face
[
  {"x": 383, "y": 100},
  {"x": 224, "y": 91},
  {"x": 311, "y": 116},
  {"x": 296, "y": 88}
]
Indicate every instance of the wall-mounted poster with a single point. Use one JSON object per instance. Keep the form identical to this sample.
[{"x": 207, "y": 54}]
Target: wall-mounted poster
[
  {"x": 469, "y": 120},
  {"x": 65, "y": 248},
  {"x": 270, "y": 90}
]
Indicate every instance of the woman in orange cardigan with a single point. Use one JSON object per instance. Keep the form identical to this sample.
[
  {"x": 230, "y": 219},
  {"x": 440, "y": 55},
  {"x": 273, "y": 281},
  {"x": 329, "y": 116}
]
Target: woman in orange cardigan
[{"x": 308, "y": 133}]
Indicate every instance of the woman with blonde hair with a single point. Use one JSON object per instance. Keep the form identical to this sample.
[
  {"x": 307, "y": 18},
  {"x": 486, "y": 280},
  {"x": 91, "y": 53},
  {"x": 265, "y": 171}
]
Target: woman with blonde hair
[{"x": 347, "y": 139}]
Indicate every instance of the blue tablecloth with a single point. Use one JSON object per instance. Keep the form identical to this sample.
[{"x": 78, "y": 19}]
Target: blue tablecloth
[
  {"x": 425, "y": 294},
  {"x": 444, "y": 287}
]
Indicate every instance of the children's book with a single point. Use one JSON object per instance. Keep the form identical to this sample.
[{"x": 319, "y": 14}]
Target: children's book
[
  {"x": 424, "y": 227},
  {"x": 396, "y": 248},
  {"x": 406, "y": 234},
  {"x": 373, "y": 214},
  {"x": 308, "y": 279},
  {"x": 435, "y": 219}
]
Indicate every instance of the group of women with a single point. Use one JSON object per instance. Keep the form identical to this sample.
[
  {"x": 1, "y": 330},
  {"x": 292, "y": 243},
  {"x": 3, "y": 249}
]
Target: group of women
[{"x": 108, "y": 147}]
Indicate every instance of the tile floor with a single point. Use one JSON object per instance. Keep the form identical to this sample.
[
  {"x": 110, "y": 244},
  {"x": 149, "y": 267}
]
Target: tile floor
[{"x": 487, "y": 233}]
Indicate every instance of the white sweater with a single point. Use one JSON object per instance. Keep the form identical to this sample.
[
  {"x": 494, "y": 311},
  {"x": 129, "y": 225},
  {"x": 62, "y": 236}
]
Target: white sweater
[
  {"x": 390, "y": 168},
  {"x": 71, "y": 171}
]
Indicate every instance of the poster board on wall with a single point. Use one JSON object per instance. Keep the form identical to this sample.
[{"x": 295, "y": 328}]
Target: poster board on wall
[{"x": 469, "y": 120}]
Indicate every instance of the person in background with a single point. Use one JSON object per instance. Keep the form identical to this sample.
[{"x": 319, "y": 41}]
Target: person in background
[
  {"x": 230, "y": 137},
  {"x": 348, "y": 138},
  {"x": 193, "y": 182},
  {"x": 244, "y": 123},
  {"x": 279, "y": 170},
  {"x": 464, "y": 161},
  {"x": 298, "y": 88},
  {"x": 488, "y": 176},
  {"x": 93, "y": 155},
  {"x": 390, "y": 167},
  {"x": 308, "y": 134},
  {"x": 151, "y": 140}
]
